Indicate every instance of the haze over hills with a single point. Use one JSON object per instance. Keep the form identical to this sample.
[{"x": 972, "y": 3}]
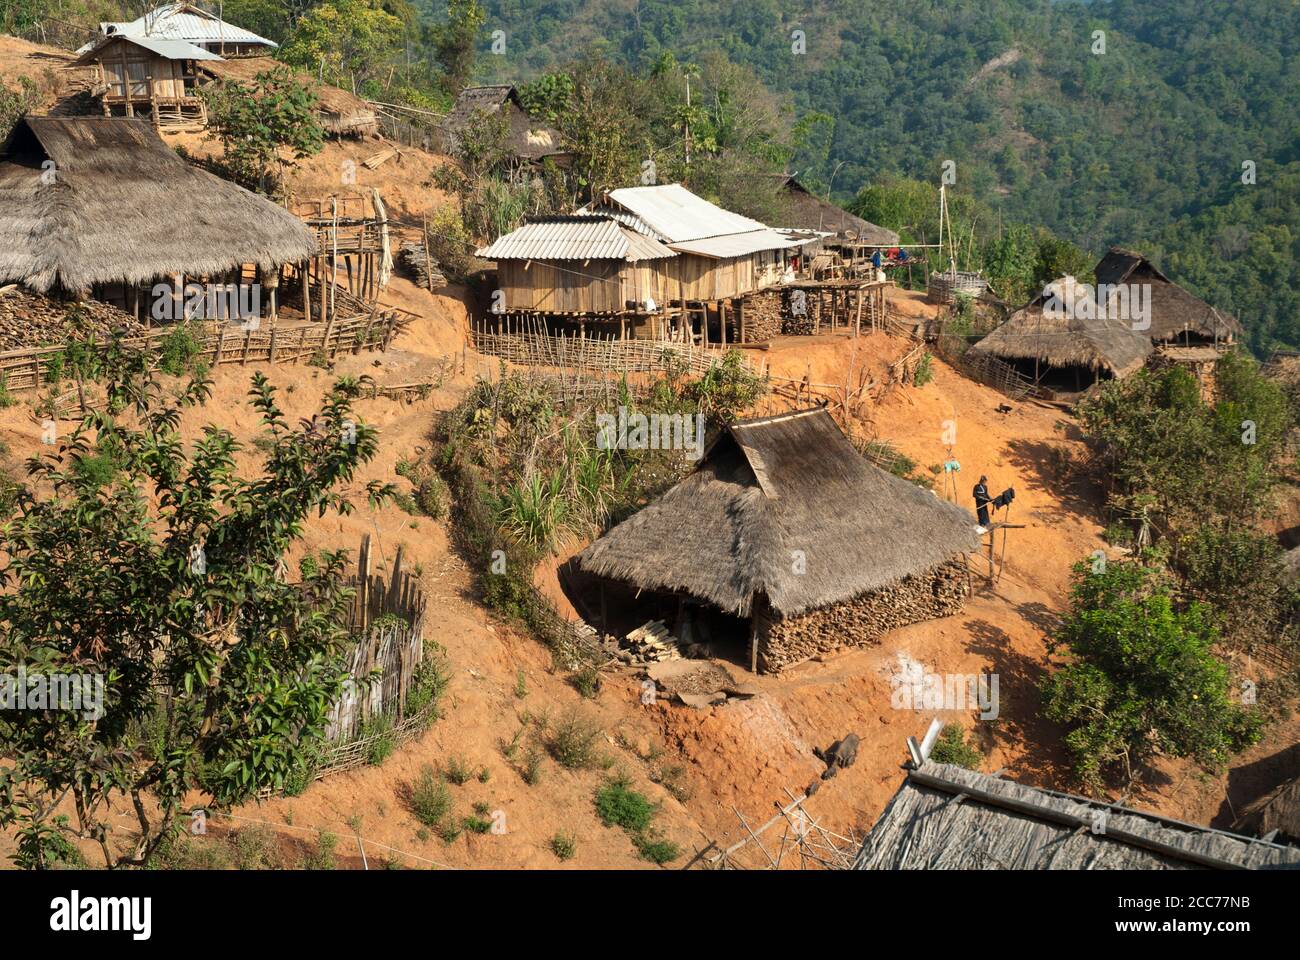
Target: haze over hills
[{"x": 1142, "y": 144}]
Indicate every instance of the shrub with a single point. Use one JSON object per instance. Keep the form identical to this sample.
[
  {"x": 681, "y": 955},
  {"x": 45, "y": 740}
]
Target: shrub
[
  {"x": 458, "y": 771},
  {"x": 656, "y": 850},
  {"x": 573, "y": 741},
  {"x": 429, "y": 800},
  {"x": 618, "y": 805},
  {"x": 322, "y": 856},
  {"x": 564, "y": 845},
  {"x": 953, "y": 747}
]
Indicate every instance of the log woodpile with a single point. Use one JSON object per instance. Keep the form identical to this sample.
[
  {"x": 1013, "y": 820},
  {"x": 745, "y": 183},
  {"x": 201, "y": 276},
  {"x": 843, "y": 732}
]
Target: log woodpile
[
  {"x": 420, "y": 266},
  {"x": 649, "y": 643},
  {"x": 762, "y": 316},
  {"x": 31, "y": 320},
  {"x": 862, "y": 620}
]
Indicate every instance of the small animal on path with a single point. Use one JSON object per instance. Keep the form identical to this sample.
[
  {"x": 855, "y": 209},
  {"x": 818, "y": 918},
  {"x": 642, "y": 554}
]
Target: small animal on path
[{"x": 841, "y": 754}]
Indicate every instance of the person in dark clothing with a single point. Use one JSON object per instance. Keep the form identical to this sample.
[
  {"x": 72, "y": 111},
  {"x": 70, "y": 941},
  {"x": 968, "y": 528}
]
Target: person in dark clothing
[{"x": 982, "y": 500}]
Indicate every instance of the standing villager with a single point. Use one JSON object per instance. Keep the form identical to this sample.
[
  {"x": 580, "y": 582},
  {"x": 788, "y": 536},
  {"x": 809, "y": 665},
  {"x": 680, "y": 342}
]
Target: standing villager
[{"x": 982, "y": 500}]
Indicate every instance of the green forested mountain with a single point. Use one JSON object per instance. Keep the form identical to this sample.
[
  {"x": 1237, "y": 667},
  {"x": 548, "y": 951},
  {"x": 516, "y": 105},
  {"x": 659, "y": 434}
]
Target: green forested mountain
[{"x": 1142, "y": 144}]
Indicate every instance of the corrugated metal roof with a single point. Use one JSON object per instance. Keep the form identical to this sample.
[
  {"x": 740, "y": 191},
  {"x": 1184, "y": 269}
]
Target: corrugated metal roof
[
  {"x": 677, "y": 215},
  {"x": 181, "y": 21},
  {"x": 574, "y": 238},
  {"x": 168, "y": 49},
  {"x": 736, "y": 244}
]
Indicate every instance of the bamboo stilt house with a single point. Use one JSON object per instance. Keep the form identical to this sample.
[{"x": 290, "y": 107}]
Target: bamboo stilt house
[
  {"x": 96, "y": 206},
  {"x": 720, "y": 254},
  {"x": 579, "y": 264},
  {"x": 190, "y": 23},
  {"x": 1176, "y": 315},
  {"x": 790, "y": 534},
  {"x": 147, "y": 75},
  {"x": 946, "y": 817},
  {"x": 1059, "y": 338}
]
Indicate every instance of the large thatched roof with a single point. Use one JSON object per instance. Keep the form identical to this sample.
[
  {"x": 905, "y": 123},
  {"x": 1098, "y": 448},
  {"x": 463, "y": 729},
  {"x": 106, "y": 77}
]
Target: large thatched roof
[
  {"x": 807, "y": 211},
  {"x": 122, "y": 206},
  {"x": 1173, "y": 309},
  {"x": 945, "y": 817},
  {"x": 1060, "y": 341},
  {"x": 768, "y": 492}
]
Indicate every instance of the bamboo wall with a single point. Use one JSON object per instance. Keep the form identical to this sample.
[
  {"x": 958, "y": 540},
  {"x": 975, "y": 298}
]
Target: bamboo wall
[{"x": 613, "y": 286}]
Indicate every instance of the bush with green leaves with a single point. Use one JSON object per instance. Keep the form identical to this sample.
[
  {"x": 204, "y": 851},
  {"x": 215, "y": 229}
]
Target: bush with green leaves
[
  {"x": 429, "y": 799},
  {"x": 1141, "y": 678},
  {"x": 164, "y": 578},
  {"x": 952, "y": 746},
  {"x": 264, "y": 127}
]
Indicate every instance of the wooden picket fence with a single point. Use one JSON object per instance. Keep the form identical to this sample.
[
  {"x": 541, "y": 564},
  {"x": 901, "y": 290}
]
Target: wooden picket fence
[
  {"x": 388, "y": 618},
  {"x": 29, "y": 368}
]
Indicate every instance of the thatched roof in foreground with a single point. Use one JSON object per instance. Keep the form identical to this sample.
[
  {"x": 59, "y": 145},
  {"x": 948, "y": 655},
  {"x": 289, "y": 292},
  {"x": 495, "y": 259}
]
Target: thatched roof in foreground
[
  {"x": 1097, "y": 344},
  {"x": 1173, "y": 309},
  {"x": 765, "y": 489},
  {"x": 124, "y": 207},
  {"x": 1001, "y": 825}
]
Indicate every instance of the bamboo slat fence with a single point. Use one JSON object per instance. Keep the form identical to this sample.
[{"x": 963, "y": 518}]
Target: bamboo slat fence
[
  {"x": 596, "y": 353},
  {"x": 988, "y": 370},
  {"x": 29, "y": 368},
  {"x": 388, "y": 616}
]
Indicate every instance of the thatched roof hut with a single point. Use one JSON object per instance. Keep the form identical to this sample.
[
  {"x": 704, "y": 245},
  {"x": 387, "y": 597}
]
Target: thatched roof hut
[
  {"x": 527, "y": 139},
  {"x": 1175, "y": 313},
  {"x": 807, "y": 211},
  {"x": 98, "y": 200},
  {"x": 765, "y": 490},
  {"x": 1057, "y": 340},
  {"x": 946, "y": 817}
]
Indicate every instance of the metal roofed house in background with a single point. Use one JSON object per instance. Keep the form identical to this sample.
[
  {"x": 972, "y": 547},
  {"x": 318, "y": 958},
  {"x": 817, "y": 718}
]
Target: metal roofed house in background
[
  {"x": 946, "y": 817},
  {"x": 189, "y": 22},
  {"x": 167, "y": 49}
]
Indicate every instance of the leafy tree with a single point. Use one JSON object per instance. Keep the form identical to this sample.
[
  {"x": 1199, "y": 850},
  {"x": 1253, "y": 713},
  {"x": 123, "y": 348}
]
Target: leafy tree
[
  {"x": 1141, "y": 680},
  {"x": 347, "y": 42},
  {"x": 259, "y": 124},
  {"x": 162, "y": 572},
  {"x": 455, "y": 43}
]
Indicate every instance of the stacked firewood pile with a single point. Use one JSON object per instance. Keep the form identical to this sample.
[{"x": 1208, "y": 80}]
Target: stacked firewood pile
[
  {"x": 649, "y": 643},
  {"x": 763, "y": 316},
  {"x": 33, "y": 320},
  {"x": 862, "y": 620},
  {"x": 798, "y": 313},
  {"x": 423, "y": 268}
]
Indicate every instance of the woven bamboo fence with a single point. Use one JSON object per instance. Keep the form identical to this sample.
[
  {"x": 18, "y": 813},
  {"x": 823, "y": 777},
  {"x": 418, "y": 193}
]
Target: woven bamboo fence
[
  {"x": 388, "y": 617},
  {"x": 988, "y": 370},
  {"x": 596, "y": 353},
  {"x": 28, "y": 368}
]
